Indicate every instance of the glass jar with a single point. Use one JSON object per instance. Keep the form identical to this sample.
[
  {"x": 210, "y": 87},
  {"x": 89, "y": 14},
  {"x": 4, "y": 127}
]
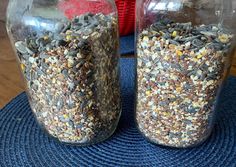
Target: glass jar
[
  {"x": 68, "y": 54},
  {"x": 184, "y": 53}
]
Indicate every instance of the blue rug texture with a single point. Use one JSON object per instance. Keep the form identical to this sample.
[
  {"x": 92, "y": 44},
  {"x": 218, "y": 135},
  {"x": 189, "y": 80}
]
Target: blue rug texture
[
  {"x": 24, "y": 144},
  {"x": 127, "y": 44}
]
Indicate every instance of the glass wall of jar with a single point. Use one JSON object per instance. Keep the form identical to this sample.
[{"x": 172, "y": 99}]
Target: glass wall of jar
[
  {"x": 68, "y": 54},
  {"x": 184, "y": 52}
]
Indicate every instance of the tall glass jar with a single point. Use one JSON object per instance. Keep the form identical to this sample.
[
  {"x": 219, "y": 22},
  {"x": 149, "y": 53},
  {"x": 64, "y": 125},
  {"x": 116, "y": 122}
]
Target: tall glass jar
[
  {"x": 68, "y": 54},
  {"x": 184, "y": 51}
]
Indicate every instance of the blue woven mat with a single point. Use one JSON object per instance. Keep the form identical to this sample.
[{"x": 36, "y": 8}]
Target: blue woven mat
[{"x": 127, "y": 44}]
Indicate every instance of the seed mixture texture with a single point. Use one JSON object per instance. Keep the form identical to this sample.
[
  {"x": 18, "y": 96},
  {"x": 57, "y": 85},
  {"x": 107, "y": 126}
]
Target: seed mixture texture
[
  {"x": 180, "y": 69},
  {"x": 73, "y": 78}
]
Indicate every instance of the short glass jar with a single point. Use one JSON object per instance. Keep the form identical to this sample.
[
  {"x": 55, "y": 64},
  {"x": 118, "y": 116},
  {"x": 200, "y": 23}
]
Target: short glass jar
[
  {"x": 184, "y": 53},
  {"x": 68, "y": 54}
]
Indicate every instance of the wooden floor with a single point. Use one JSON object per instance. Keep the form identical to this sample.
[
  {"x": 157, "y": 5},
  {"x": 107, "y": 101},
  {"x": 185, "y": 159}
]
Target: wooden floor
[{"x": 10, "y": 81}]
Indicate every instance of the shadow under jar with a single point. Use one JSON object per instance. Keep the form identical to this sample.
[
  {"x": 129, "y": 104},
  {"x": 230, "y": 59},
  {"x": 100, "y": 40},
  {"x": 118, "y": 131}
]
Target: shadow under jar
[
  {"x": 68, "y": 54},
  {"x": 184, "y": 51}
]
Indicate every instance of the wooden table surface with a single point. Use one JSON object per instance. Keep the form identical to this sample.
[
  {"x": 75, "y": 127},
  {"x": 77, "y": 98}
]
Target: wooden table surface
[
  {"x": 10, "y": 80},
  {"x": 11, "y": 83}
]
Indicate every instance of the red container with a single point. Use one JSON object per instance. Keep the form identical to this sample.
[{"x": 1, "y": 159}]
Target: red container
[{"x": 126, "y": 12}]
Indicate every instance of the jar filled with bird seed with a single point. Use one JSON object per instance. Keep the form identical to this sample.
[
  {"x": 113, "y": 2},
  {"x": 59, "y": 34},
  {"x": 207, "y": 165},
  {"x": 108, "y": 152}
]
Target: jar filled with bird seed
[
  {"x": 184, "y": 51},
  {"x": 68, "y": 53}
]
